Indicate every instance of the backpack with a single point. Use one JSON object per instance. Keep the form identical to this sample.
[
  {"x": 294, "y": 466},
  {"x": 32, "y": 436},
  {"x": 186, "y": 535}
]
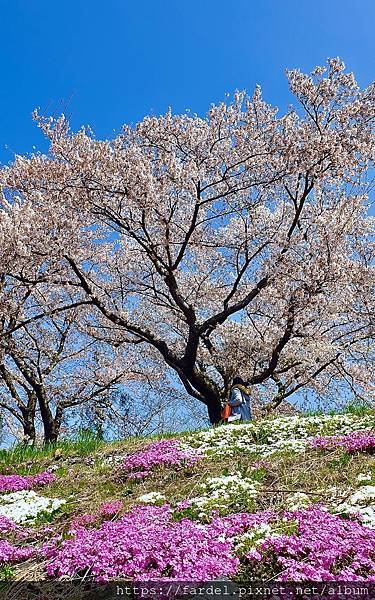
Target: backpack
[{"x": 226, "y": 411}]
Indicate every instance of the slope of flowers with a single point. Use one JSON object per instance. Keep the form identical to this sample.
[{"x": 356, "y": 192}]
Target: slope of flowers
[
  {"x": 16, "y": 483},
  {"x": 147, "y": 544},
  {"x": 227, "y": 519}
]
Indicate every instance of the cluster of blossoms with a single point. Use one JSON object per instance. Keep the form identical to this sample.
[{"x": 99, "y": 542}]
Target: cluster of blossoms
[
  {"x": 147, "y": 544},
  {"x": 361, "y": 503},
  {"x": 325, "y": 547},
  {"x": 270, "y": 436},
  {"x": 26, "y": 505},
  {"x": 152, "y": 498},
  {"x": 13, "y": 536},
  {"x": 222, "y": 495},
  {"x": 364, "y": 477},
  {"x": 169, "y": 453},
  {"x": 110, "y": 509},
  {"x": 7, "y": 525},
  {"x": 107, "y": 510},
  {"x": 269, "y": 527},
  {"x": 11, "y": 554},
  {"x": 16, "y": 483},
  {"x": 298, "y": 500},
  {"x": 356, "y": 441},
  {"x": 9, "y": 528}
]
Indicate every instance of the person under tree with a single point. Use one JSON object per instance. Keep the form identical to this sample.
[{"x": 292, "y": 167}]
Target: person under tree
[{"x": 239, "y": 400}]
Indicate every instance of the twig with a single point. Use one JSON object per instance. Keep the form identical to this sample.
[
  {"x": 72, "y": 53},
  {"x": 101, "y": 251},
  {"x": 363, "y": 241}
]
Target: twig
[{"x": 292, "y": 491}]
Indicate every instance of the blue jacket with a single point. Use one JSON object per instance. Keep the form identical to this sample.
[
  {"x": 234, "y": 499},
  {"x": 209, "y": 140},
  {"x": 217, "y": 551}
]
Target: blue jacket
[{"x": 240, "y": 402}]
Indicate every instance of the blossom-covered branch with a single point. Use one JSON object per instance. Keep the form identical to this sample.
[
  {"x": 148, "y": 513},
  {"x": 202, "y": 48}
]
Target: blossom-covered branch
[{"x": 238, "y": 241}]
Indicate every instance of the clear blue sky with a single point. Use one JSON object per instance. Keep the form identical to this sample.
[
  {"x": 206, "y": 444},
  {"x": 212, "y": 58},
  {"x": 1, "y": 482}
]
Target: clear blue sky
[{"x": 113, "y": 61}]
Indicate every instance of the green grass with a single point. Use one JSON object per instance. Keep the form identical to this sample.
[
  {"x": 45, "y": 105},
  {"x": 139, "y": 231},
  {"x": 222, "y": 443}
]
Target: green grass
[
  {"x": 354, "y": 407},
  {"x": 359, "y": 408},
  {"x": 28, "y": 457}
]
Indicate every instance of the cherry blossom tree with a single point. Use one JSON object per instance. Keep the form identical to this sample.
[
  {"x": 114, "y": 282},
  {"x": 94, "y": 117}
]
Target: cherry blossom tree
[
  {"x": 49, "y": 365},
  {"x": 237, "y": 242}
]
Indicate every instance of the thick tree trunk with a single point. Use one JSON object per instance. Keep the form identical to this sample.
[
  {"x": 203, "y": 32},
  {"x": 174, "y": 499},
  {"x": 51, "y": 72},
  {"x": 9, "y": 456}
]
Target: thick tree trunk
[
  {"x": 214, "y": 411},
  {"x": 51, "y": 433},
  {"x": 51, "y": 424},
  {"x": 208, "y": 391},
  {"x": 29, "y": 433}
]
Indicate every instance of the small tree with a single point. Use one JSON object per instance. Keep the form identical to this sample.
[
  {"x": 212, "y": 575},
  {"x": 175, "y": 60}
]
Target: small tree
[
  {"x": 48, "y": 367},
  {"x": 235, "y": 242}
]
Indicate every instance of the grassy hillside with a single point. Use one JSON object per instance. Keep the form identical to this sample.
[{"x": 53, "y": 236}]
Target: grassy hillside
[{"x": 265, "y": 494}]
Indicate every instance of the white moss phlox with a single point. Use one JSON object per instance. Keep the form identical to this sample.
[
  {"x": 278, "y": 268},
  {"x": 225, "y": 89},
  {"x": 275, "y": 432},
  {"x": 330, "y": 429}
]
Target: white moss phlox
[
  {"x": 221, "y": 492},
  {"x": 362, "y": 503},
  {"x": 26, "y": 505},
  {"x": 297, "y": 501},
  {"x": 269, "y": 436},
  {"x": 364, "y": 477},
  {"x": 151, "y": 498}
]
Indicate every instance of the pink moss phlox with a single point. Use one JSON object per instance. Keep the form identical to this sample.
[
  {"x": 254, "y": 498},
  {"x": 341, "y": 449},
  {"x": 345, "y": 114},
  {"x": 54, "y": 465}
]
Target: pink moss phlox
[
  {"x": 237, "y": 523},
  {"x": 11, "y": 529},
  {"x": 83, "y": 520},
  {"x": 147, "y": 544},
  {"x": 11, "y": 554},
  {"x": 44, "y": 478},
  {"x": 325, "y": 547},
  {"x": 110, "y": 509},
  {"x": 356, "y": 441},
  {"x": 186, "y": 503},
  {"x": 105, "y": 511},
  {"x": 16, "y": 483},
  {"x": 160, "y": 453},
  {"x": 7, "y": 525}
]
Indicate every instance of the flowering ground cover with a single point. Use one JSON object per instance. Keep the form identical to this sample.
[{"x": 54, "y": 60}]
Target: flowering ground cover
[
  {"x": 356, "y": 441},
  {"x": 269, "y": 436},
  {"x": 290, "y": 498},
  {"x": 324, "y": 547},
  {"x": 15, "y": 483},
  {"x": 161, "y": 453},
  {"x": 145, "y": 544},
  {"x": 26, "y": 505},
  {"x": 222, "y": 495}
]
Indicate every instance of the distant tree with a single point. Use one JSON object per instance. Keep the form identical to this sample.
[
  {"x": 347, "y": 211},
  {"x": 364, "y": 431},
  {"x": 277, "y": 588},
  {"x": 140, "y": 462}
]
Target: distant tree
[
  {"x": 236, "y": 242},
  {"x": 47, "y": 368},
  {"x": 143, "y": 408}
]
